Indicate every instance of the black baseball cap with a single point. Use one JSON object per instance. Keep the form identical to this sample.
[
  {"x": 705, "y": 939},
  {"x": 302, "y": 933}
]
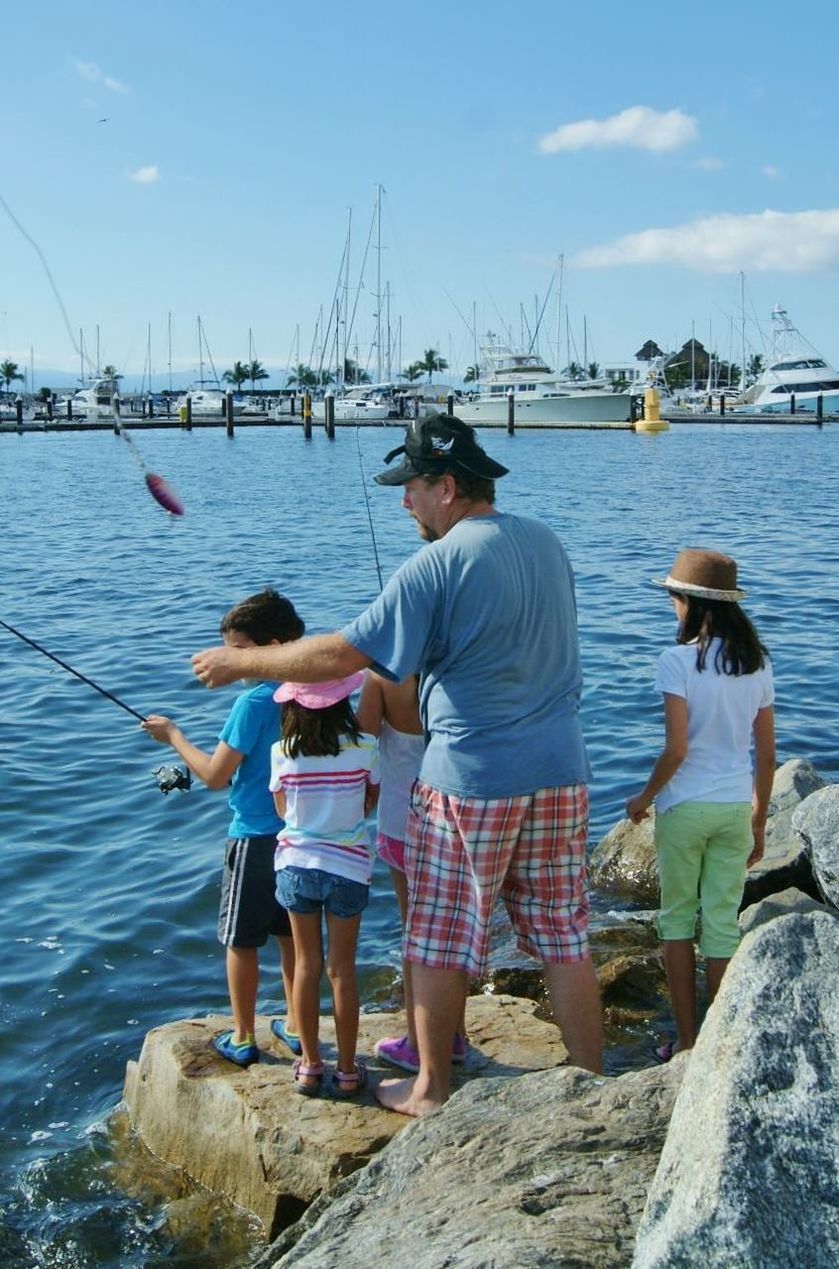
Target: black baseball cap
[{"x": 438, "y": 444}]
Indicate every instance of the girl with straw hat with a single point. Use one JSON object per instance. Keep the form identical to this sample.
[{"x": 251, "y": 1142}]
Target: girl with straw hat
[{"x": 711, "y": 804}]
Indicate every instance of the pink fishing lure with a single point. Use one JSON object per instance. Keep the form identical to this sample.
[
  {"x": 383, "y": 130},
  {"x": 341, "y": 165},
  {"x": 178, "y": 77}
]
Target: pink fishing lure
[{"x": 163, "y": 493}]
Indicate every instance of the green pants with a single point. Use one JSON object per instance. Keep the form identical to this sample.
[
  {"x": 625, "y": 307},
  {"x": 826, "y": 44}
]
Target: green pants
[{"x": 702, "y": 850}]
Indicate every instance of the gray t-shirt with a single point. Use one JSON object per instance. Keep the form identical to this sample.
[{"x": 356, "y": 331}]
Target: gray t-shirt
[{"x": 487, "y": 616}]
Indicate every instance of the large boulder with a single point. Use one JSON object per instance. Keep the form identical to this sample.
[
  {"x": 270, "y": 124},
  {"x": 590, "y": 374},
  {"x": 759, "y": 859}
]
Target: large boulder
[
  {"x": 749, "y": 1173},
  {"x": 624, "y": 862},
  {"x": 816, "y": 821},
  {"x": 776, "y": 905},
  {"x": 549, "y": 1169},
  {"x": 785, "y": 861},
  {"x": 248, "y": 1135}
]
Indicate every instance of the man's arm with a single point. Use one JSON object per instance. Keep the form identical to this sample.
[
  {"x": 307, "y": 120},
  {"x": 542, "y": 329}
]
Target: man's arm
[{"x": 314, "y": 659}]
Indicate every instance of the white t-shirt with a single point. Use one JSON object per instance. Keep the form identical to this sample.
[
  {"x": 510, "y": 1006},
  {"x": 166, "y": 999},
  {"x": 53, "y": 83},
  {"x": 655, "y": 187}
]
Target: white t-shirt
[
  {"x": 324, "y": 816},
  {"x": 721, "y": 713},
  {"x": 401, "y": 754}
]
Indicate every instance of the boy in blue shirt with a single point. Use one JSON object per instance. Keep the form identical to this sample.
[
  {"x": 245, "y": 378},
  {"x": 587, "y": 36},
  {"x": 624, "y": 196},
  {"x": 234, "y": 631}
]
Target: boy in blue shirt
[{"x": 249, "y": 911}]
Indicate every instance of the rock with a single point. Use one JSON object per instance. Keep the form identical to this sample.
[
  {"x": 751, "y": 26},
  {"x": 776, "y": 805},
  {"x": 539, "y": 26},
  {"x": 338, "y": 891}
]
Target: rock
[
  {"x": 749, "y": 1173},
  {"x": 785, "y": 862},
  {"x": 246, "y": 1133},
  {"x": 624, "y": 861},
  {"x": 781, "y": 904},
  {"x": 816, "y": 821},
  {"x": 549, "y": 1169}
]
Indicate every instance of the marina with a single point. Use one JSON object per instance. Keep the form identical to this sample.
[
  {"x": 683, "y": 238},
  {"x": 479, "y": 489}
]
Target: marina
[{"x": 112, "y": 888}]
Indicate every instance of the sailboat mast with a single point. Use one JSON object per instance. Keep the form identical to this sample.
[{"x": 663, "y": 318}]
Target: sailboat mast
[
  {"x": 743, "y": 327},
  {"x": 378, "y": 284},
  {"x": 346, "y": 296},
  {"x": 200, "y": 353},
  {"x": 148, "y": 354}
]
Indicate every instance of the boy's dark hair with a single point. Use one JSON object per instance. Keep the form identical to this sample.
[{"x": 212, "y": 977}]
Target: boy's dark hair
[
  {"x": 263, "y": 617},
  {"x": 741, "y": 651},
  {"x": 316, "y": 733}
]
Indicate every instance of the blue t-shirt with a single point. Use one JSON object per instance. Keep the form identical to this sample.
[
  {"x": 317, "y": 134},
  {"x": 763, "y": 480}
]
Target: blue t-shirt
[
  {"x": 488, "y": 616},
  {"x": 252, "y": 726}
]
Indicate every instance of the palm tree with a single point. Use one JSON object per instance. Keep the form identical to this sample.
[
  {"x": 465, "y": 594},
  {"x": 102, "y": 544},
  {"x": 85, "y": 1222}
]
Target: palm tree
[
  {"x": 353, "y": 372},
  {"x": 302, "y": 376},
  {"x": 324, "y": 378},
  {"x": 8, "y": 373},
  {"x": 574, "y": 371},
  {"x": 413, "y": 372},
  {"x": 754, "y": 368},
  {"x": 431, "y": 361},
  {"x": 593, "y": 369},
  {"x": 237, "y": 376},
  {"x": 472, "y": 375},
  {"x": 256, "y": 371}
]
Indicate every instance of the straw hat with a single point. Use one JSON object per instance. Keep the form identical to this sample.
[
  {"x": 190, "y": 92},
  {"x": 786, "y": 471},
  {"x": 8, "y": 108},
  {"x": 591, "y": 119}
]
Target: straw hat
[
  {"x": 705, "y": 574},
  {"x": 320, "y": 695}
]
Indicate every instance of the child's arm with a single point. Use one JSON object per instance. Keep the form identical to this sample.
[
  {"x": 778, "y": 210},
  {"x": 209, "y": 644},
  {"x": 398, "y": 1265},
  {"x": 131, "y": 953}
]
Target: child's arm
[
  {"x": 669, "y": 760},
  {"x": 371, "y": 798},
  {"x": 280, "y": 803},
  {"x": 215, "y": 770},
  {"x": 371, "y": 704},
  {"x": 763, "y": 731}
]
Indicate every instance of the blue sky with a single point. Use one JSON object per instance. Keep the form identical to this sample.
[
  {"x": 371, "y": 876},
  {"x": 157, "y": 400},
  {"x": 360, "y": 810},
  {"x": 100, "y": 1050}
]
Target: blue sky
[{"x": 660, "y": 149}]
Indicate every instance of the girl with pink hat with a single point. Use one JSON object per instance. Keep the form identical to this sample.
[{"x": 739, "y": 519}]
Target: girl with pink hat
[
  {"x": 711, "y": 801},
  {"x": 325, "y": 781}
]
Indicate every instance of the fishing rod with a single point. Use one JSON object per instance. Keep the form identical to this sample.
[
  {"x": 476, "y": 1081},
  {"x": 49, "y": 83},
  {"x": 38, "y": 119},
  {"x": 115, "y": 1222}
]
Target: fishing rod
[
  {"x": 168, "y": 778},
  {"x": 369, "y": 512}
]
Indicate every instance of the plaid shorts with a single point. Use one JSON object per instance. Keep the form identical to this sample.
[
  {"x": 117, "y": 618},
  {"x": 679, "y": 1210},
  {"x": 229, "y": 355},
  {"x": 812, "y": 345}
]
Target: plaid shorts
[{"x": 462, "y": 854}]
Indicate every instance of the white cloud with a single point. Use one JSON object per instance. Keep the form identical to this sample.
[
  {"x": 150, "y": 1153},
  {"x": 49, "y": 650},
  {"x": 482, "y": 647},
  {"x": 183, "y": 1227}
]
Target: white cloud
[
  {"x": 774, "y": 173},
  {"x": 786, "y": 242},
  {"x": 145, "y": 175},
  {"x": 638, "y": 127},
  {"x": 709, "y": 164},
  {"x": 95, "y": 75}
]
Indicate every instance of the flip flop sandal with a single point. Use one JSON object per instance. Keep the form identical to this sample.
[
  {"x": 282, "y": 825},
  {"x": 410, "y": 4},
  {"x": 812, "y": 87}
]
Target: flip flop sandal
[
  {"x": 664, "y": 1052},
  {"x": 301, "y": 1072},
  {"x": 348, "y": 1083}
]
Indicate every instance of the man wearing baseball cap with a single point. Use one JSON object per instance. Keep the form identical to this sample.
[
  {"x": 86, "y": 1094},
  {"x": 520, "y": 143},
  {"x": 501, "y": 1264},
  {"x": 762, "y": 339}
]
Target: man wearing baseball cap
[{"x": 486, "y": 614}]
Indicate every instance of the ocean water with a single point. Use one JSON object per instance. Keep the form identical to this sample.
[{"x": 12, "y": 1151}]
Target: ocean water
[{"x": 109, "y": 889}]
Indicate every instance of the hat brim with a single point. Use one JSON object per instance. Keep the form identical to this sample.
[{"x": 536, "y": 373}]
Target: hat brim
[
  {"x": 484, "y": 467},
  {"x": 699, "y": 592}
]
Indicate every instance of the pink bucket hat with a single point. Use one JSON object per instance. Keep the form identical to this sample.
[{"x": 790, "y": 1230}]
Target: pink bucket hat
[{"x": 320, "y": 695}]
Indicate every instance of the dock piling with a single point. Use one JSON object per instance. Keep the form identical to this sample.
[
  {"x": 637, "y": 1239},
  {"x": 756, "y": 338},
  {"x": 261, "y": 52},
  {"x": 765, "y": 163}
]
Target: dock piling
[
  {"x": 450, "y": 403},
  {"x": 228, "y": 411},
  {"x": 511, "y": 413},
  {"x": 722, "y": 405},
  {"x": 329, "y": 414},
  {"x": 306, "y": 411},
  {"x": 115, "y": 408},
  {"x": 792, "y": 403},
  {"x": 820, "y": 407},
  {"x": 19, "y": 409}
]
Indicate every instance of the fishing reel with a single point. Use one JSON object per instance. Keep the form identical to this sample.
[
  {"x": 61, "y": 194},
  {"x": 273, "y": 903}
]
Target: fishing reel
[{"x": 169, "y": 778}]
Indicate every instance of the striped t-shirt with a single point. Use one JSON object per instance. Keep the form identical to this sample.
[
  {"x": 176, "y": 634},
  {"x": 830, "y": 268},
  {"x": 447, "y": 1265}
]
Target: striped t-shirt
[{"x": 324, "y": 817}]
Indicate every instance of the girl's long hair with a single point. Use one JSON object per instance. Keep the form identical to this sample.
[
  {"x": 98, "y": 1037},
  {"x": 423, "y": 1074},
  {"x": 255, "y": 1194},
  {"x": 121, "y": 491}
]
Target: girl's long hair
[
  {"x": 740, "y": 650},
  {"x": 316, "y": 733}
]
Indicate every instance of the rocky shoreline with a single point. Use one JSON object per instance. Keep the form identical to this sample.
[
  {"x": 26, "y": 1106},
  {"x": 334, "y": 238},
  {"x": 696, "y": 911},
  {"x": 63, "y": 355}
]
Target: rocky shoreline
[{"x": 727, "y": 1156}]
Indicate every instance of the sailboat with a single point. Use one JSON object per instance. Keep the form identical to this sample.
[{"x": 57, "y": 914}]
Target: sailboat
[{"x": 207, "y": 402}]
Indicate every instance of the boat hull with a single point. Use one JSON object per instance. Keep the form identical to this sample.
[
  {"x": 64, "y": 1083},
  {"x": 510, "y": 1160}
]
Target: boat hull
[
  {"x": 600, "y": 407},
  {"x": 805, "y": 402}
]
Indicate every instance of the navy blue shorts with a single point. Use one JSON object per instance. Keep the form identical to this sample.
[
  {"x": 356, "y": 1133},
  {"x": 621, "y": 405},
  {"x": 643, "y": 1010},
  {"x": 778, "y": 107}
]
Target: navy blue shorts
[
  {"x": 249, "y": 911},
  {"x": 307, "y": 890}
]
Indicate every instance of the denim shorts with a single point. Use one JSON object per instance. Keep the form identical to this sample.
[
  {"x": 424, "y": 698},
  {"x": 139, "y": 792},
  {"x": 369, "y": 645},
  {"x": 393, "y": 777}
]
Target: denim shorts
[{"x": 307, "y": 890}]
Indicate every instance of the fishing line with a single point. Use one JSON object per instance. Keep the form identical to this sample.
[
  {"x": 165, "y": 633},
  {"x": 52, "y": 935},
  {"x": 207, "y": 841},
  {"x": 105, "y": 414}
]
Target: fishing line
[
  {"x": 162, "y": 492},
  {"x": 367, "y": 503}
]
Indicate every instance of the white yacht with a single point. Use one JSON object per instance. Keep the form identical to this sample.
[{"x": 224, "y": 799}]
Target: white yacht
[
  {"x": 208, "y": 403},
  {"x": 793, "y": 368},
  {"x": 541, "y": 396},
  {"x": 92, "y": 401}
]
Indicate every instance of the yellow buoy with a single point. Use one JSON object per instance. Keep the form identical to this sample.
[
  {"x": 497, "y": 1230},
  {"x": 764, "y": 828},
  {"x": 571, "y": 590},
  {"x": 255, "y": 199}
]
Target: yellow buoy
[{"x": 652, "y": 420}]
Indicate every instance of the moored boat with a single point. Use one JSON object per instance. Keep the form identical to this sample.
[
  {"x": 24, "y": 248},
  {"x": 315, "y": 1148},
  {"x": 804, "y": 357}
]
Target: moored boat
[
  {"x": 540, "y": 395},
  {"x": 794, "y": 369}
]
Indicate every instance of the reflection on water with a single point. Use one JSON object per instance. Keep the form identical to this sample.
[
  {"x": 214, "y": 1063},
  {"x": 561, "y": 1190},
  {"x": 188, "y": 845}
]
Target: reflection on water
[{"x": 111, "y": 889}]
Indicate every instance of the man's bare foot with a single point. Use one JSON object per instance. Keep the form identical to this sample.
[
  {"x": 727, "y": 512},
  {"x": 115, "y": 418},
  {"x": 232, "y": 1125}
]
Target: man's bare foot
[{"x": 402, "y": 1096}]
